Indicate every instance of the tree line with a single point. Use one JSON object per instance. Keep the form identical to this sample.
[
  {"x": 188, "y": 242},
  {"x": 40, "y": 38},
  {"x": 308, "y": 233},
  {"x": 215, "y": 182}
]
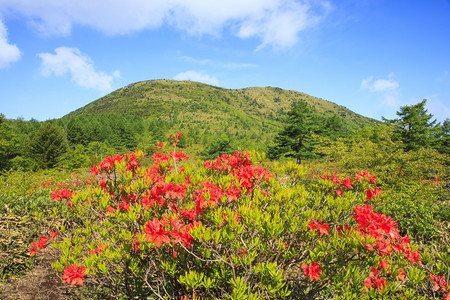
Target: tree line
[
  {"x": 78, "y": 141},
  {"x": 306, "y": 133}
]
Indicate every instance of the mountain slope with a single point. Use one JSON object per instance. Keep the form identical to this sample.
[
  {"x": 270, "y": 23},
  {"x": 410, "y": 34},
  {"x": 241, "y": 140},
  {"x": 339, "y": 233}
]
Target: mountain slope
[{"x": 253, "y": 115}]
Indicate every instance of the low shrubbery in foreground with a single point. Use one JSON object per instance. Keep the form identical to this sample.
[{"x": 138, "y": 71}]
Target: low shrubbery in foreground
[{"x": 231, "y": 229}]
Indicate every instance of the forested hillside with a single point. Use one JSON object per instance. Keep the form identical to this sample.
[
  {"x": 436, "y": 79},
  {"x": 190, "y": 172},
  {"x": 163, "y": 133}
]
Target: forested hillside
[
  {"x": 186, "y": 102},
  {"x": 213, "y": 121}
]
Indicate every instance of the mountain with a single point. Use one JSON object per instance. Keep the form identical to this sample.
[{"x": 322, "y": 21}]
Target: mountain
[{"x": 252, "y": 115}]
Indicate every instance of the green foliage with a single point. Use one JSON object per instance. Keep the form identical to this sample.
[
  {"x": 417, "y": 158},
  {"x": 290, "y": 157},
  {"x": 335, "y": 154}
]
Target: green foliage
[
  {"x": 26, "y": 212},
  {"x": 230, "y": 229},
  {"x": 414, "y": 126},
  {"x": 443, "y": 137},
  {"x": 415, "y": 178},
  {"x": 304, "y": 130},
  {"x": 119, "y": 131},
  {"x": 250, "y": 115},
  {"x": 75, "y": 158},
  {"x": 217, "y": 146},
  {"x": 296, "y": 139},
  {"x": 48, "y": 144}
]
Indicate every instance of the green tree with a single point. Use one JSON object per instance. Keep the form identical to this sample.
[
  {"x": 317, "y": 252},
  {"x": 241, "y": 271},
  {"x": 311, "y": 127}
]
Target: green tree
[
  {"x": 443, "y": 143},
  {"x": 414, "y": 126},
  {"x": 296, "y": 139},
  {"x": 76, "y": 132},
  {"x": 333, "y": 127},
  {"x": 218, "y": 145},
  {"x": 48, "y": 144},
  {"x": 74, "y": 158}
]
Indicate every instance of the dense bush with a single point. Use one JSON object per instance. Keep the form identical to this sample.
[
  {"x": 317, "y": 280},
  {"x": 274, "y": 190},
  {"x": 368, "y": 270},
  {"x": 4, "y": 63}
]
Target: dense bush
[
  {"x": 231, "y": 229},
  {"x": 26, "y": 211}
]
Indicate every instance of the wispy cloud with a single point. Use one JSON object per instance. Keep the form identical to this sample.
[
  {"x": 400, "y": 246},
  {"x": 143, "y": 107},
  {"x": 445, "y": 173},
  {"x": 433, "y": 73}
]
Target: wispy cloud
[
  {"x": 199, "y": 76},
  {"x": 80, "y": 67},
  {"x": 379, "y": 85},
  {"x": 275, "y": 23},
  {"x": 8, "y": 53},
  {"x": 388, "y": 87}
]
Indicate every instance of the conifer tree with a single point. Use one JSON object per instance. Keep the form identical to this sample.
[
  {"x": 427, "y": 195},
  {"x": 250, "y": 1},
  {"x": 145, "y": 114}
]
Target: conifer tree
[
  {"x": 48, "y": 144},
  {"x": 296, "y": 139},
  {"x": 414, "y": 126}
]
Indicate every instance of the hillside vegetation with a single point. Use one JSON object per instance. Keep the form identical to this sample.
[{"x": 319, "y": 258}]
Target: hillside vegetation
[
  {"x": 191, "y": 101},
  {"x": 201, "y": 110},
  {"x": 335, "y": 213}
]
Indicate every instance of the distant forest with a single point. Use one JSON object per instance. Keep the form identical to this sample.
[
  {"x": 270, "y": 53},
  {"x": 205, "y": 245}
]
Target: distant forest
[{"x": 81, "y": 140}]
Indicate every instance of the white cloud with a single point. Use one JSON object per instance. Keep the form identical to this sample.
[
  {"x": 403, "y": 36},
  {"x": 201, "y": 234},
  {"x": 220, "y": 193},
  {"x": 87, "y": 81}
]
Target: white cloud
[
  {"x": 8, "y": 53},
  {"x": 275, "y": 22},
  {"x": 388, "y": 87},
  {"x": 379, "y": 85},
  {"x": 199, "y": 76},
  {"x": 80, "y": 67}
]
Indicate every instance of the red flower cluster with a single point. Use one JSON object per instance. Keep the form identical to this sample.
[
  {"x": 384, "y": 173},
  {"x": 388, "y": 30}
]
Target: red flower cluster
[
  {"x": 240, "y": 166},
  {"x": 379, "y": 283},
  {"x": 161, "y": 158},
  {"x": 323, "y": 228},
  {"x": 74, "y": 275},
  {"x": 107, "y": 165},
  {"x": 374, "y": 279},
  {"x": 226, "y": 163},
  {"x": 439, "y": 283},
  {"x": 372, "y": 193},
  {"x": 384, "y": 230},
  {"x": 61, "y": 194},
  {"x": 156, "y": 232},
  {"x": 365, "y": 175},
  {"x": 312, "y": 271},
  {"x": 348, "y": 183},
  {"x": 40, "y": 244},
  {"x": 97, "y": 250}
]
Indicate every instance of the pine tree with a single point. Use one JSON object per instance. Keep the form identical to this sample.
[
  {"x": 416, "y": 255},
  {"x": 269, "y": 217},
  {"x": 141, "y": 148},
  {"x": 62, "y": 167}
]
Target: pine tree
[
  {"x": 48, "y": 144},
  {"x": 414, "y": 126},
  {"x": 296, "y": 139}
]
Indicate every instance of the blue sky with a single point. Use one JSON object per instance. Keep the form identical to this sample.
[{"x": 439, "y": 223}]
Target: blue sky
[{"x": 371, "y": 56}]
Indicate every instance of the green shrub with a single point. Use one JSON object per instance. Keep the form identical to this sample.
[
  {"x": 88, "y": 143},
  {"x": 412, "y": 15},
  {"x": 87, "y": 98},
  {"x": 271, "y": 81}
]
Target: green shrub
[{"x": 231, "y": 229}]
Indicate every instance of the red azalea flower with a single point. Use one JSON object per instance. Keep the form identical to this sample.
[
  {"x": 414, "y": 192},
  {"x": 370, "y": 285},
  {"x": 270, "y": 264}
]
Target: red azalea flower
[
  {"x": 369, "y": 194},
  {"x": 384, "y": 264},
  {"x": 401, "y": 275},
  {"x": 97, "y": 250},
  {"x": 347, "y": 183},
  {"x": 323, "y": 228},
  {"x": 156, "y": 233},
  {"x": 335, "y": 179},
  {"x": 53, "y": 234},
  {"x": 40, "y": 244},
  {"x": 439, "y": 283},
  {"x": 368, "y": 283},
  {"x": 312, "y": 271},
  {"x": 379, "y": 283},
  {"x": 374, "y": 272},
  {"x": 34, "y": 249},
  {"x": 74, "y": 274},
  {"x": 61, "y": 194},
  {"x": 413, "y": 257}
]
